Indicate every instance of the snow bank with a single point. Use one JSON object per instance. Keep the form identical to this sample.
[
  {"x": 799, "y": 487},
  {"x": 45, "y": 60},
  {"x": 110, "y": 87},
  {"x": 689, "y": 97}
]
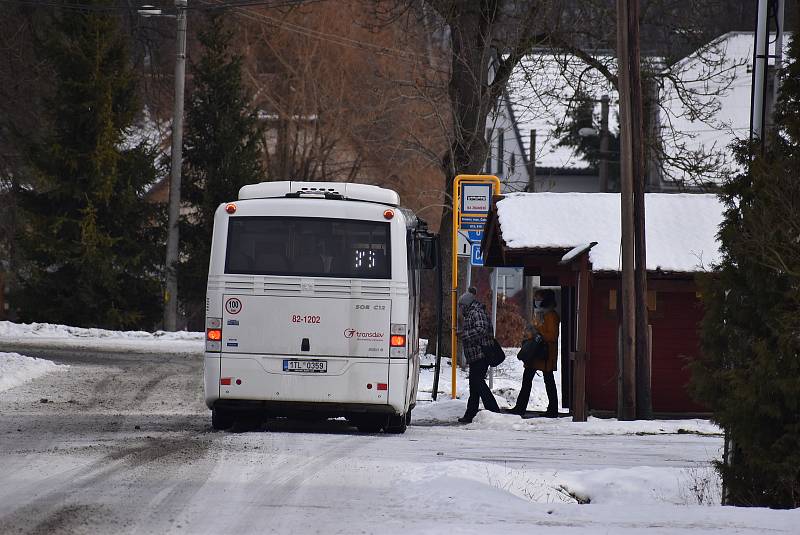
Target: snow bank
[
  {"x": 50, "y": 330},
  {"x": 641, "y": 485},
  {"x": 16, "y": 369},
  {"x": 681, "y": 228},
  {"x": 446, "y": 411},
  {"x": 64, "y": 337}
]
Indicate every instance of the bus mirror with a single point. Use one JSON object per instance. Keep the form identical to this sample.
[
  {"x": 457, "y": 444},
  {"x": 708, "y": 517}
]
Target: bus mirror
[{"x": 428, "y": 245}]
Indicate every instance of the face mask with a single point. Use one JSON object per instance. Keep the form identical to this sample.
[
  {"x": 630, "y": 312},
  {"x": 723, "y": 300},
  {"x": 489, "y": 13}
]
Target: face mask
[{"x": 538, "y": 303}]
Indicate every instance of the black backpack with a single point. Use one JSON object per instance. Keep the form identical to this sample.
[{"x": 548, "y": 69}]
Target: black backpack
[
  {"x": 533, "y": 350},
  {"x": 493, "y": 352}
]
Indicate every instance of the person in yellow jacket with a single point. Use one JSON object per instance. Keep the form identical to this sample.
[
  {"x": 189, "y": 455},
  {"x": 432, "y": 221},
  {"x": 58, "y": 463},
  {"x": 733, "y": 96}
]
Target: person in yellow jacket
[{"x": 546, "y": 322}]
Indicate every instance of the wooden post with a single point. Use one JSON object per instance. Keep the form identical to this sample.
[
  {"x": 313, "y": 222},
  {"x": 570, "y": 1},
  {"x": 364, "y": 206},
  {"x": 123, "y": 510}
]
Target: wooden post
[
  {"x": 528, "y": 283},
  {"x": 531, "y": 188},
  {"x": 644, "y": 409},
  {"x": 604, "y": 135},
  {"x": 580, "y": 356},
  {"x": 627, "y": 9},
  {"x": 532, "y": 164}
]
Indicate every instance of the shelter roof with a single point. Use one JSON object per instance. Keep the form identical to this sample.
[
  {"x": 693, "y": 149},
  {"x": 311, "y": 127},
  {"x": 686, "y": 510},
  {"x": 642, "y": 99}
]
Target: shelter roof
[{"x": 681, "y": 229}]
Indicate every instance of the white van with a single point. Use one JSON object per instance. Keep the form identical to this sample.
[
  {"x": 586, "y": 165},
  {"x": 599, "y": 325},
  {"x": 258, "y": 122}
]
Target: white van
[{"x": 312, "y": 307}]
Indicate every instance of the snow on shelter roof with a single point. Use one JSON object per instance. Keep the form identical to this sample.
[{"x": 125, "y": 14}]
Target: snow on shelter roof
[{"x": 681, "y": 229}]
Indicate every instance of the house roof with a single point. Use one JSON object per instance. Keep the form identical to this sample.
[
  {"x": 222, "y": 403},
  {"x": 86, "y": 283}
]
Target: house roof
[
  {"x": 720, "y": 76},
  {"x": 681, "y": 229},
  {"x": 540, "y": 93}
]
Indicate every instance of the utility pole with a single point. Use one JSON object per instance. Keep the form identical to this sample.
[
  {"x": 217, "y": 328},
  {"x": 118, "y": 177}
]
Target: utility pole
[
  {"x": 171, "y": 290},
  {"x": 644, "y": 168},
  {"x": 532, "y": 164},
  {"x": 527, "y": 281},
  {"x": 778, "y": 56},
  {"x": 604, "y": 143},
  {"x": 630, "y": 123}
]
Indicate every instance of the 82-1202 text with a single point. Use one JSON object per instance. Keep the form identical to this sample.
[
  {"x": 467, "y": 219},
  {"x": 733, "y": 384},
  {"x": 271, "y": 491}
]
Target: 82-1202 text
[{"x": 297, "y": 318}]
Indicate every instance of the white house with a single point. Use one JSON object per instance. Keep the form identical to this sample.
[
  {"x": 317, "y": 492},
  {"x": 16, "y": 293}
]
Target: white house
[{"x": 695, "y": 140}]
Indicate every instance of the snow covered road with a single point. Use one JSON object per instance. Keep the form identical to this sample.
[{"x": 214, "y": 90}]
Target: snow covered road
[{"x": 123, "y": 444}]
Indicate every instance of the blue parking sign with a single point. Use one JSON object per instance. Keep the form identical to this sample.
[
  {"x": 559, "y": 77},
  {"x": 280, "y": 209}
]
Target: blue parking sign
[{"x": 477, "y": 255}]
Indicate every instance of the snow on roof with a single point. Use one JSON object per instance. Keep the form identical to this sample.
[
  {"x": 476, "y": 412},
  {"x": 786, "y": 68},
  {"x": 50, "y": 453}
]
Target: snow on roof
[
  {"x": 681, "y": 229},
  {"x": 147, "y": 130},
  {"x": 541, "y": 90},
  {"x": 720, "y": 79}
]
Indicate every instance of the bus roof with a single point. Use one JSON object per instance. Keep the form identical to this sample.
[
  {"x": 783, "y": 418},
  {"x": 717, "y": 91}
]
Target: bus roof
[{"x": 340, "y": 190}]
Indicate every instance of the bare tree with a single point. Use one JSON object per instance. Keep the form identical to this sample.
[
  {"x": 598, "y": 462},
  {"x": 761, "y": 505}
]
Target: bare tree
[{"x": 487, "y": 42}]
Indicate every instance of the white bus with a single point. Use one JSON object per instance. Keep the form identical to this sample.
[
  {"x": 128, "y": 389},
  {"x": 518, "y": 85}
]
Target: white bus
[{"x": 312, "y": 308}]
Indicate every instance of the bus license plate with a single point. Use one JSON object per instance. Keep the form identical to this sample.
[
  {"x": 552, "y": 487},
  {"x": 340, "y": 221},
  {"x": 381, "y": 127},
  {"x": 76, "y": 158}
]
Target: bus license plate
[{"x": 308, "y": 366}]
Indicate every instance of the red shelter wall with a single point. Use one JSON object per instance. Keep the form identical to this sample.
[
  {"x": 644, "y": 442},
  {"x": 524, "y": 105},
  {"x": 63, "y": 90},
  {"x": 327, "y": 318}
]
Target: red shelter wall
[
  {"x": 676, "y": 338},
  {"x": 601, "y": 371},
  {"x": 675, "y": 324}
]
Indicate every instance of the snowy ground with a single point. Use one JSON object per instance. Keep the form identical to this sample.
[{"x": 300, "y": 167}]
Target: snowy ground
[{"x": 119, "y": 441}]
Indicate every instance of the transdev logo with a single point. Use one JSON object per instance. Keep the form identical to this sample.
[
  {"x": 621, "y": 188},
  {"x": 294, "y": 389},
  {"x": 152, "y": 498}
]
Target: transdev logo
[{"x": 363, "y": 335}]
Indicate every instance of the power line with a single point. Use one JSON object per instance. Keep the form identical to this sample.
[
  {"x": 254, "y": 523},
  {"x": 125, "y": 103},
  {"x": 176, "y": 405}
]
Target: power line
[
  {"x": 248, "y": 3},
  {"x": 78, "y": 6},
  {"x": 331, "y": 38},
  {"x": 68, "y": 6},
  {"x": 241, "y": 8}
]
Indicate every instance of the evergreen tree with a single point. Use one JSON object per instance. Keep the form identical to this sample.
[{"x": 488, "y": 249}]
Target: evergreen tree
[
  {"x": 222, "y": 153},
  {"x": 88, "y": 238},
  {"x": 749, "y": 374},
  {"x": 581, "y": 115}
]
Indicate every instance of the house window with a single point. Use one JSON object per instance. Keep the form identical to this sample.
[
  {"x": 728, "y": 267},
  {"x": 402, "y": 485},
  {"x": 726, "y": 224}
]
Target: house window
[
  {"x": 489, "y": 133},
  {"x": 500, "y": 152},
  {"x": 512, "y": 165}
]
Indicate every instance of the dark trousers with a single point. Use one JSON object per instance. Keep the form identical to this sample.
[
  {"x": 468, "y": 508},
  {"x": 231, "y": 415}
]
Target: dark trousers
[
  {"x": 527, "y": 384},
  {"x": 479, "y": 389}
]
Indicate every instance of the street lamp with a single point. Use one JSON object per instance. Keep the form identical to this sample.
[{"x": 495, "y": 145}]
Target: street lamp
[
  {"x": 591, "y": 131},
  {"x": 147, "y": 11},
  {"x": 171, "y": 289}
]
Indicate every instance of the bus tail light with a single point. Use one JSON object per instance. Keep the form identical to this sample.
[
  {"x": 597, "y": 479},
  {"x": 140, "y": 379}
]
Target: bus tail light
[
  {"x": 398, "y": 340},
  {"x": 383, "y": 386},
  {"x": 214, "y": 335},
  {"x": 225, "y": 381}
]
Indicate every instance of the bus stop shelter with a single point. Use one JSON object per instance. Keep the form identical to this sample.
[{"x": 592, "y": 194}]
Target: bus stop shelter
[{"x": 572, "y": 241}]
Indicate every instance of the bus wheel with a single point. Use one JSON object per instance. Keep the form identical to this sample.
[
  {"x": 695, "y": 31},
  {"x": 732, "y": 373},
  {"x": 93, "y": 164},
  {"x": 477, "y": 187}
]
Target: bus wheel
[
  {"x": 408, "y": 417},
  {"x": 221, "y": 419},
  {"x": 397, "y": 424}
]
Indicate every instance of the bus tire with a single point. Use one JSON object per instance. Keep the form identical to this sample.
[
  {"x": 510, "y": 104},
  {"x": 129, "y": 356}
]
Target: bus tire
[
  {"x": 221, "y": 419},
  {"x": 408, "y": 417},
  {"x": 397, "y": 424}
]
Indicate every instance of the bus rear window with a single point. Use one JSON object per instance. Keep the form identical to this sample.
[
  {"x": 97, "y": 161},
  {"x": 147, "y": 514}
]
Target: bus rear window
[{"x": 308, "y": 246}]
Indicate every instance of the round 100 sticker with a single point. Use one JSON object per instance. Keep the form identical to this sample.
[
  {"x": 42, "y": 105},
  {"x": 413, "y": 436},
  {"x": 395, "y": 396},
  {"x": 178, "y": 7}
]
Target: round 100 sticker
[{"x": 233, "y": 305}]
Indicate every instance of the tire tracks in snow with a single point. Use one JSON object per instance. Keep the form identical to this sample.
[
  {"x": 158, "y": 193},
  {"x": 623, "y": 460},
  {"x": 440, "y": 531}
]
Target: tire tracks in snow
[
  {"x": 99, "y": 494},
  {"x": 125, "y": 467},
  {"x": 273, "y": 484}
]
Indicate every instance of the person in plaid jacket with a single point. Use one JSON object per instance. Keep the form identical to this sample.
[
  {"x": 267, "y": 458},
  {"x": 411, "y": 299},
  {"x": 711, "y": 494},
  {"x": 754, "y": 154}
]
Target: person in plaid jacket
[{"x": 476, "y": 332}]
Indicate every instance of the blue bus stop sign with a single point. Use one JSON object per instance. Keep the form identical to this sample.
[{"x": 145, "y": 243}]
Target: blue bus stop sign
[
  {"x": 477, "y": 255},
  {"x": 475, "y": 236}
]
